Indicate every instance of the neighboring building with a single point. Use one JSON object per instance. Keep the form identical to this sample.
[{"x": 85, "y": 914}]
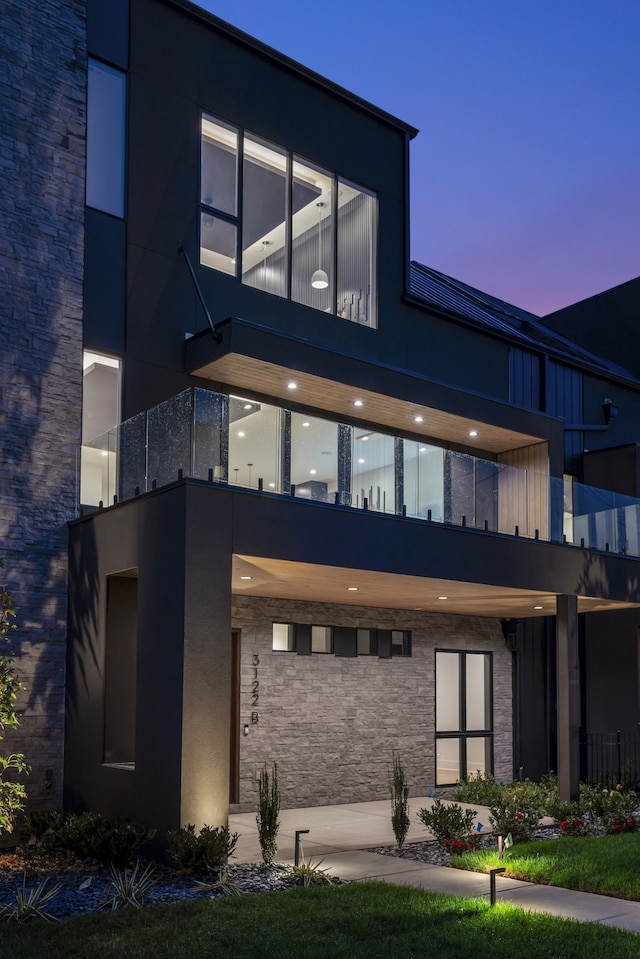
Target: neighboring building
[{"x": 339, "y": 515}]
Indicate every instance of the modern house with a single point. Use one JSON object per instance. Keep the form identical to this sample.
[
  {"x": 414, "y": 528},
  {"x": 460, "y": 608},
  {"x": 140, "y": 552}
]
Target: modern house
[{"x": 323, "y": 503}]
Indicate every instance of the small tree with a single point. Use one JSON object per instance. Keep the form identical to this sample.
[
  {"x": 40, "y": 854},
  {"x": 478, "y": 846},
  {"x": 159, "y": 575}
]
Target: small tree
[
  {"x": 12, "y": 794},
  {"x": 399, "y": 801},
  {"x": 268, "y": 809}
]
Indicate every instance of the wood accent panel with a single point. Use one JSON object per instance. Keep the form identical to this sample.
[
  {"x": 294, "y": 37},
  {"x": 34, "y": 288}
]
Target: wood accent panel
[
  {"x": 246, "y": 374},
  {"x": 523, "y": 496}
]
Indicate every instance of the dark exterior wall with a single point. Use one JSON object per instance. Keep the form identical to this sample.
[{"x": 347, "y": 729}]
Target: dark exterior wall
[
  {"x": 179, "y": 66},
  {"x": 42, "y": 90},
  {"x": 183, "y": 661},
  {"x": 610, "y": 672},
  {"x": 606, "y": 323}
]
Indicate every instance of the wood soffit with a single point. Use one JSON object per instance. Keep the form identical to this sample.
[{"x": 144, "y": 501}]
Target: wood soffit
[
  {"x": 281, "y": 579},
  {"x": 249, "y": 375}
]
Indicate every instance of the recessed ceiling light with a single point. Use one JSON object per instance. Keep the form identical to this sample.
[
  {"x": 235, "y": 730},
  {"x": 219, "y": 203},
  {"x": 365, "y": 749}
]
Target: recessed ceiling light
[
  {"x": 305, "y": 424},
  {"x": 291, "y": 385},
  {"x": 443, "y": 597},
  {"x": 538, "y": 607},
  {"x": 240, "y": 434},
  {"x": 423, "y": 449},
  {"x": 473, "y": 432},
  {"x": 313, "y": 472},
  {"x": 272, "y": 485},
  {"x": 104, "y": 453},
  {"x": 247, "y": 406},
  {"x": 246, "y": 577},
  {"x": 358, "y": 403},
  {"x": 361, "y": 460},
  {"x": 352, "y": 589},
  {"x": 418, "y": 419},
  {"x": 364, "y": 438}
]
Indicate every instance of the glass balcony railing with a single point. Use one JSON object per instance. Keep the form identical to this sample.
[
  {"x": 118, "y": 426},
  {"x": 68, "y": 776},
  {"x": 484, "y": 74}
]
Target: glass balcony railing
[{"x": 241, "y": 442}]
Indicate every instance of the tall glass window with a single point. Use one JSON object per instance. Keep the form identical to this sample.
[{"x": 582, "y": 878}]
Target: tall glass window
[
  {"x": 314, "y": 457},
  {"x": 106, "y": 113},
  {"x": 373, "y": 470},
  {"x": 312, "y": 274},
  {"x": 357, "y": 254},
  {"x": 423, "y": 479},
  {"x": 254, "y": 444},
  {"x": 306, "y": 235},
  {"x": 219, "y": 196},
  {"x": 264, "y": 217},
  {"x": 100, "y": 417},
  {"x": 464, "y": 723}
]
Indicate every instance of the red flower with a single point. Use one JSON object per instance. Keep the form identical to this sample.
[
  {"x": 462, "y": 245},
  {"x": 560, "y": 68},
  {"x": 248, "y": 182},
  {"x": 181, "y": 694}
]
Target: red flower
[
  {"x": 563, "y": 824},
  {"x": 618, "y": 827},
  {"x": 519, "y": 815}
]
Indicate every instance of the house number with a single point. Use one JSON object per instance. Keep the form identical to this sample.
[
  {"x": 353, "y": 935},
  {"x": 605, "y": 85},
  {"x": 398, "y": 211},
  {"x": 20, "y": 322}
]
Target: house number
[{"x": 255, "y": 687}]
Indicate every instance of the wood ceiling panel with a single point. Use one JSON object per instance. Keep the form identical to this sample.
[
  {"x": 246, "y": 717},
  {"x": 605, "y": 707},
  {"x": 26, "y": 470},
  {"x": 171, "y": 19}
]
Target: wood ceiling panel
[
  {"x": 247, "y": 374},
  {"x": 280, "y": 579}
]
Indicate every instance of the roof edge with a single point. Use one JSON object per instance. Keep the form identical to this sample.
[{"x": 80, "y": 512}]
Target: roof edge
[{"x": 198, "y": 13}]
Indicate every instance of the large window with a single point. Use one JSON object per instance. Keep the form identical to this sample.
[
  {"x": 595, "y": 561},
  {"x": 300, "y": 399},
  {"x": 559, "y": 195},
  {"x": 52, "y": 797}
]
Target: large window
[
  {"x": 464, "y": 711},
  {"x": 100, "y": 416},
  {"x": 286, "y": 226},
  {"x": 106, "y": 110}
]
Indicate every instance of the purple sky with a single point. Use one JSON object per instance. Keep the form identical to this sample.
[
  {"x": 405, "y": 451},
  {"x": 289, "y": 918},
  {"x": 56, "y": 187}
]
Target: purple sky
[{"x": 525, "y": 177}]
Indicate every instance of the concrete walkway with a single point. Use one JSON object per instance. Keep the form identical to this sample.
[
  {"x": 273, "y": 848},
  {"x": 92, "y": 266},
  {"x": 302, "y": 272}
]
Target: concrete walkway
[{"x": 339, "y": 834}]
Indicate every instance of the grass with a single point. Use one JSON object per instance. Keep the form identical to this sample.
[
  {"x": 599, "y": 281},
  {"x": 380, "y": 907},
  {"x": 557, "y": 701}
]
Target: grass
[
  {"x": 358, "y": 921},
  {"x": 606, "y": 865}
]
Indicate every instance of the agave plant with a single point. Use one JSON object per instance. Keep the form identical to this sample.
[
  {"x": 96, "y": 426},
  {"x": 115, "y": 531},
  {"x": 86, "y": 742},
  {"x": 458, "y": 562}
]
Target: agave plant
[
  {"x": 308, "y": 873},
  {"x": 30, "y": 903},
  {"x": 128, "y": 888}
]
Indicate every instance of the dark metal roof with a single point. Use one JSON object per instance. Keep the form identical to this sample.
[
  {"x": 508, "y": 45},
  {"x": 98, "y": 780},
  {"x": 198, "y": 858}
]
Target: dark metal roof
[{"x": 458, "y": 300}]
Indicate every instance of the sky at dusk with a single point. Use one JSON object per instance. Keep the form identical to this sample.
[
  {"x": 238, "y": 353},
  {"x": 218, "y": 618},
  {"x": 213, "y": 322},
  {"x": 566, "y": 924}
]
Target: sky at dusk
[{"x": 525, "y": 176}]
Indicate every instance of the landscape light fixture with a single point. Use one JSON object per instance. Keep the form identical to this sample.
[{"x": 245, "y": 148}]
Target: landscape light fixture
[{"x": 319, "y": 280}]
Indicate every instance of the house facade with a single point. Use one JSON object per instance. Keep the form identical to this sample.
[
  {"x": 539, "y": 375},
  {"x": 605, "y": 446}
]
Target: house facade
[{"x": 328, "y": 503}]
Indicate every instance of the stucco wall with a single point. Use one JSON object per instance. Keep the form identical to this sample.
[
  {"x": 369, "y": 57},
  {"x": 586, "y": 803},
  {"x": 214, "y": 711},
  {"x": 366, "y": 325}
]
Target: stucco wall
[
  {"x": 43, "y": 92},
  {"x": 332, "y": 723}
]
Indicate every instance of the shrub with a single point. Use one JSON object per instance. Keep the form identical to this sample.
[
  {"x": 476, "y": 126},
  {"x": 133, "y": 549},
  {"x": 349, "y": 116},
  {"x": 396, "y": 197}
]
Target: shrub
[
  {"x": 575, "y": 826},
  {"x": 612, "y": 810},
  {"x": 451, "y": 825},
  {"x": 399, "y": 801},
  {"x": 268, "y": 810},
  {"x": 208, "y": 851},
  {"x": 86, "y": 835},
  {"x": 481, "y": 788},
  {"x": 12, "y": 793},
  {"x": 518, "y": 810}
]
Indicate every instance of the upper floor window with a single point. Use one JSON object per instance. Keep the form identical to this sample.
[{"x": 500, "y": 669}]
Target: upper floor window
[
  {"x": 286, "y": 226},
  {"x": 106, "y": 110}
]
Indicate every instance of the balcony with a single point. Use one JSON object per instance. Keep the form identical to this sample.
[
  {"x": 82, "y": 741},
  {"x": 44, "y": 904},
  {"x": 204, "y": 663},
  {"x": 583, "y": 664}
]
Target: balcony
[{"x": 240, "y": 442}]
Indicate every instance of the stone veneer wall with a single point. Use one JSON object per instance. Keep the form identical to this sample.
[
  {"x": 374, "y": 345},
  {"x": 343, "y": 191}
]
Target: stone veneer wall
[
  {"x": 42, "y": 151},
  {"x": 332, "y": 723}
]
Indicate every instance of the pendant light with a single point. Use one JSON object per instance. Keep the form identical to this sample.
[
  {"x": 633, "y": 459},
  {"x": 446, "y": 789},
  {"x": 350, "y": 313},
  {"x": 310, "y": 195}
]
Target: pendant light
[{"x": 319, "y": 280}]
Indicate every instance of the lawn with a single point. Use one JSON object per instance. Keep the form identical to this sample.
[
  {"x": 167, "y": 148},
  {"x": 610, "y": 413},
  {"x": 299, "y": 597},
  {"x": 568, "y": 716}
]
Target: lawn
[
  {"x": 606, "y": 865},
  {"x": 357, "y": 921}
]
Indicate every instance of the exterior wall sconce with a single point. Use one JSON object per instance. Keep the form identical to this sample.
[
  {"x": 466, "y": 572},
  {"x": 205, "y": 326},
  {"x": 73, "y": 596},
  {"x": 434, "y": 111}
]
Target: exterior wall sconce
[
  {"x": 246, "y": 729},
  {"x": 609, "y": 409}
]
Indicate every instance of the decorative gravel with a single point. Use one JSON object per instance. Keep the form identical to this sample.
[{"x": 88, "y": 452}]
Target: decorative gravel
[
  {"x": 432, "y": 852},
  {"x": 85, "y": 885}
]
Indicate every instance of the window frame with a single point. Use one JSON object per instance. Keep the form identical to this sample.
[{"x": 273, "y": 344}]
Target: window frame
[
  {"x": 463, "y": 734},
  {"x": 291, "y": 158}
]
